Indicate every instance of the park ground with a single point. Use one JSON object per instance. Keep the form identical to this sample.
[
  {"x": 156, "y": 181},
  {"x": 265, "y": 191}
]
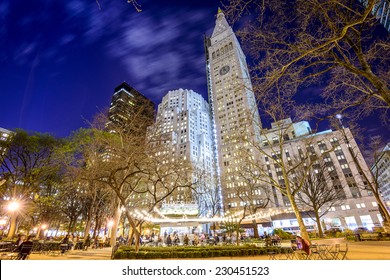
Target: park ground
[{"x": 364, "y": 250}]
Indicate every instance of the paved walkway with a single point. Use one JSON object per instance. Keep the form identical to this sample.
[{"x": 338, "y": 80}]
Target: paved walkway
[{"x": 365, "y": 250}]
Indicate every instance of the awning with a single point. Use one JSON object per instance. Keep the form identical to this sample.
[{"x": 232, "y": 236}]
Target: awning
[
  {"x": 291, "y": 215},
  {"x": 263, "y": 224}
]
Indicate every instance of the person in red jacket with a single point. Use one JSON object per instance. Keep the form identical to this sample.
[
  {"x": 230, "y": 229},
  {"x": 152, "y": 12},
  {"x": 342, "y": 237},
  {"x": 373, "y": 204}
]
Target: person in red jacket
[{"x": 304, "y": 244}]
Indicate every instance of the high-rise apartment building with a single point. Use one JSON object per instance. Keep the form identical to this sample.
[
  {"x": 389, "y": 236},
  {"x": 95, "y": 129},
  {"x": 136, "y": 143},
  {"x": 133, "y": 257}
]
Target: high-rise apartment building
[
  {"x": 4, "y": 135},
  {"x": 129, "y": 106},
  {"x": 381, "y": 11},
  {"x": 234, "y": 108},
  {"x": 381, "y": 170},
  {"x": 183, "y": 121}
]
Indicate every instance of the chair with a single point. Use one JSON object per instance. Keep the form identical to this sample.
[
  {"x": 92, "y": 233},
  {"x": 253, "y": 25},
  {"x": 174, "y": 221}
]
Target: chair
[
  {"x": 342, "y": 255},
  {"x": 301, "y": 255},
  {"x": 315, "y": 252},
  {"x": 25, "y": 251},
  {"x": 64, "y": 247},
  {"x": 334, "y": 252},
  {"x": 287, "y": 255}
]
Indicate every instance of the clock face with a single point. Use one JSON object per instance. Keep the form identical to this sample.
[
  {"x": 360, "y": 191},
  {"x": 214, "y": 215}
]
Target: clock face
[{"x": 224, "y": 70}]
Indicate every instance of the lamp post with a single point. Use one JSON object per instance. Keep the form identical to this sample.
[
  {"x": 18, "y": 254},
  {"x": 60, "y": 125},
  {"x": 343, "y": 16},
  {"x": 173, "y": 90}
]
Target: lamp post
[{"x": 340, "y": 117}]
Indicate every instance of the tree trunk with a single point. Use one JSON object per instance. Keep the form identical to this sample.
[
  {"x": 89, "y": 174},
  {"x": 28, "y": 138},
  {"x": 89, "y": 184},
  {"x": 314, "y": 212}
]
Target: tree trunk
[
  {"x": 255, "y": 230},
  {"x": 137, "y": 234},
  {"x": 13, "y": 225},
  {"x": 116, "y": 218},
  {"x": 88, "y": 222},
  {"x": 301, "y": 224},
  {"x": 319, "y": 226},
  {"x": 131, "y": 236}
]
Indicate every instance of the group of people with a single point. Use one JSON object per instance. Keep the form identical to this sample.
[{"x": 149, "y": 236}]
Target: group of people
[
  {"x": 271, "y": 239},
  {"x": 174, "y": 239},
  {"x": 69, "y": 242}
]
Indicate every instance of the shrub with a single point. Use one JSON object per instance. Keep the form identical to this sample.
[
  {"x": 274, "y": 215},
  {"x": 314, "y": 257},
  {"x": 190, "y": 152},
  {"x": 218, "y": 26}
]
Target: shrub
[
  {"x": 282, "y": 234},
  {"x": 126, "y": 252}
]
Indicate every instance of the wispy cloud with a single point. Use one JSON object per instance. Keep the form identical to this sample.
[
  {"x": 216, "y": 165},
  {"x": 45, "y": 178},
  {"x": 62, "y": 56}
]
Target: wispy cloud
[{"x": 158, "y": 52}]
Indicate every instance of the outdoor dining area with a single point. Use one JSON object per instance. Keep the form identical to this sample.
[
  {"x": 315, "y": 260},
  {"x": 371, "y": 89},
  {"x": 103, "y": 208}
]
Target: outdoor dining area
[
  {"x": 317, "y": 252},
  {"x": 9, "y": 250}
]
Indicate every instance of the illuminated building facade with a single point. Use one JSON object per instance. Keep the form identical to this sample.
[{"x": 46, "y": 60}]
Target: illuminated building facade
[
  {"x": 381, "y": 170},
  {"x": 183, "y": 120},
  {"x": 4, "y": 135},
  {"x": 126, "y": 105},
  {"x": 381, "y": 11},
  {"x": 232, "y": 100},
  {"x": 357, "y": 207},
  {"x": 236, "y": 122}
]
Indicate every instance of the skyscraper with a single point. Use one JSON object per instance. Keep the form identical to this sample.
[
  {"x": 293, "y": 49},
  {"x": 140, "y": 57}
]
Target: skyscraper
[
  {"x": 231, "y": 96},
  {"x": 381, "y": 11},
  {"x": 381, "y": 170},
  {"x": 129, "y": 106},
  {"x": 184, "y": 122},
  {"x": 4, "y": 136},
  {"x": 238, "y": 133}
]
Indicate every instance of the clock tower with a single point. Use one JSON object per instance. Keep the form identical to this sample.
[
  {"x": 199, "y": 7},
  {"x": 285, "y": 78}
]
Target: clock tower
[{"x": 233, "y": 104}]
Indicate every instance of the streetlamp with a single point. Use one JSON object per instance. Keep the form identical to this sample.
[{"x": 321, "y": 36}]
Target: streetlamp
[
  {"x": 13, "y": 206},
  {"x": 340, "y": 117}
]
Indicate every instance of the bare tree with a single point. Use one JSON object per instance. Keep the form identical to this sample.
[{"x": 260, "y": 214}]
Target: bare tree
[
  {"x": 232, "y": 224},
  {"x": 126, "y": 161},
  {"x": 251, "y": 190},
  {"x": 208, "y": 197},
  {"x": 134, "y": 3},
  {"x": 332, "y": 46},
  {"x": 318, "y": 192},
  {"x": 280, "y": 156}
]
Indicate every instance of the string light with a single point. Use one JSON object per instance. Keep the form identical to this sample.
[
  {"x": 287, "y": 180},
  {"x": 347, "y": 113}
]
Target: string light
[{"x": 231, "y": 217}]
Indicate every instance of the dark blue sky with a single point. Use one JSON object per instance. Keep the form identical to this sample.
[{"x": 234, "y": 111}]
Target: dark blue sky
[{"x": 61, "y": 60}]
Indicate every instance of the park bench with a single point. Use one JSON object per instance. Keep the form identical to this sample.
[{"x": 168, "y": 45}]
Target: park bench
[{"x": 369, "y": 236}]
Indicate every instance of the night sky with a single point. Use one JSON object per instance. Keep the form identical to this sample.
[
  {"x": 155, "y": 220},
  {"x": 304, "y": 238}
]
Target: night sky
[{"x": 61, "y": 60}]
